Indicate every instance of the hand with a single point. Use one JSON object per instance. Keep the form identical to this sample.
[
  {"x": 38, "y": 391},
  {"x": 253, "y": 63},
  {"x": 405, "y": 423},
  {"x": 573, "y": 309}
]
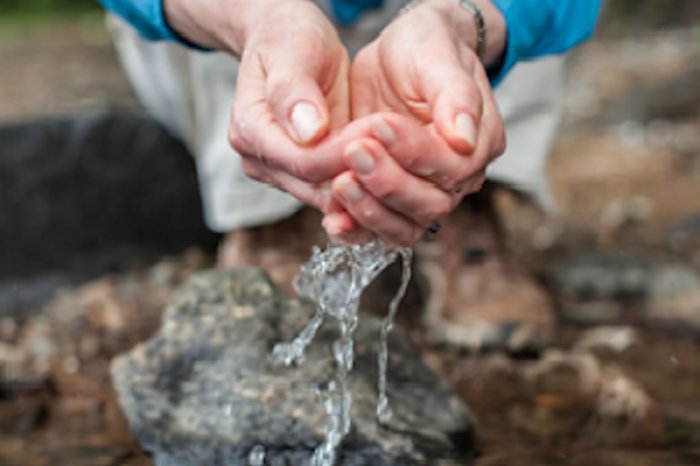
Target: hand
[
  {"x": 292, "y": 89},
  {"x": 442, "y": 125},
  {"x": 292, "y": 92}
]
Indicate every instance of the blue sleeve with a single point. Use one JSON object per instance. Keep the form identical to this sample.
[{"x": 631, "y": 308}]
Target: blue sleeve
[
  {"x": 544, "y": 27},
  {"x": 147, "y": 16}
]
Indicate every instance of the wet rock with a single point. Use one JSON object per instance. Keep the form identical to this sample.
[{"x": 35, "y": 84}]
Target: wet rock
[{"x": 203, "y": 391}]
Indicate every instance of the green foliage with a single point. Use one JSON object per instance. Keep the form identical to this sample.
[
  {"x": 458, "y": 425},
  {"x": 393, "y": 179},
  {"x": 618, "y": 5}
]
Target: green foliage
[{"x": 46, "y": 6}]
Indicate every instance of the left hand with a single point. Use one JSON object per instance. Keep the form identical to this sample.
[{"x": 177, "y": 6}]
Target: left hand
[{"x": 439, "y": 130}]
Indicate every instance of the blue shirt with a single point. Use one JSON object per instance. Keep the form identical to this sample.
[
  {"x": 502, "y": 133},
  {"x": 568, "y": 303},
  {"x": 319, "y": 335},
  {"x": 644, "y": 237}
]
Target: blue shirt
[{"x": 536, "y": 28}]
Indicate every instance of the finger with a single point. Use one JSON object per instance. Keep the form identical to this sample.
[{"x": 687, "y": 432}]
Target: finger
[
  {"x": 371, "y": 94},
  {"x": 457, "y": 106},
  {"x": 342, "y": 228},
  {"x": 316, "y": 195},
  {"x": 297, "y": 104},
  {"x": 374, "y": 216},
  {"x": 418, "y": 149},
  {"x": 256, "y": 133},
  {"x": 417, "y": 199},
  {"x": 494, "y": 127},
  {"x": 257, "y": 136}
]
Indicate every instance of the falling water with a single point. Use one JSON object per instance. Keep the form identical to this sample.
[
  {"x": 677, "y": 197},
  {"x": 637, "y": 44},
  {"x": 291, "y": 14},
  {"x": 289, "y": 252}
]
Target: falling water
[
  {"x": 383, "y": 409},
  {"x": 334, "y": 279}
]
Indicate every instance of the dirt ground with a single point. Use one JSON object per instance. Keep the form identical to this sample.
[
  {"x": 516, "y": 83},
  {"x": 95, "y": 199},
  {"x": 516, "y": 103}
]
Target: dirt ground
[{"x": 625, "y": 172}]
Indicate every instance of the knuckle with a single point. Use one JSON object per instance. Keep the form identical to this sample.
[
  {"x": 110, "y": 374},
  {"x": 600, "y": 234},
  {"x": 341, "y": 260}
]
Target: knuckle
[
  {"x": 452, "y": 182},
  {"x": 406, "y": 236},
  {"x": 281, "y": 82},
  {"x": 386, "y": 189},
  {"x": 306, "y": 172},
  {"x": 403, "y": 240},
  {"x": 441, "y": 210},
  {"x": 502, "y": 143},
  {"x": 434, "y": 212},
  {"x": 411, "y": 236},
  {"x": 474, "y": 98},
  {"x": 367, "y": 213},
  {"x": 252, "y": 170},
  {"x": 235, "y": 140},
  {"x": 478, "y": 182}
]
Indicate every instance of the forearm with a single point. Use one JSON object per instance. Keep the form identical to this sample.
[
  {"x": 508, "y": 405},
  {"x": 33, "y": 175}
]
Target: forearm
[
  {"x": 209, "y": 24},
  {"x": 518, "y": 30},
  {"x": 214, "y": 24}
]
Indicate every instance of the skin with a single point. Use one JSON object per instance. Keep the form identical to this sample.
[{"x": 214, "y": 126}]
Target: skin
[{"x": 385, "y": 147}]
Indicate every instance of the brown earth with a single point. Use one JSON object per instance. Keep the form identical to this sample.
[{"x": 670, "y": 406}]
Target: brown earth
[{"x": 625, "y": 172}]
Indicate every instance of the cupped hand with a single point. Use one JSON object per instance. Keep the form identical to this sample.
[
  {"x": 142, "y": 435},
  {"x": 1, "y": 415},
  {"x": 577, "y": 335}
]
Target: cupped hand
[
  {"x": 292, "y": 93},
  {"x": 438, "y": 129}
]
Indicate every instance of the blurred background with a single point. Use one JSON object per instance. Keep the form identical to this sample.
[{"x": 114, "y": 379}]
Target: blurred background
[{"x": 100, "y": 220}]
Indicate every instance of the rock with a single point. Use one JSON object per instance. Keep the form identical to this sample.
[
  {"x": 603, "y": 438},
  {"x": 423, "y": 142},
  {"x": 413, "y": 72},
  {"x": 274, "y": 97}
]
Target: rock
[
  {"x": 591, "y": 313},
  {"x": 615, "y": 338},
  {"x": 667, "y": 291},
  {"x": 601, "y": 404},
  {"x": 204, "y": 392}
]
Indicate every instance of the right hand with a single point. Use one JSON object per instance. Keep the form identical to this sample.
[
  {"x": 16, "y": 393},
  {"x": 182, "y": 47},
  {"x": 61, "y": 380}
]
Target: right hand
[{"x": 292, "y": 94}]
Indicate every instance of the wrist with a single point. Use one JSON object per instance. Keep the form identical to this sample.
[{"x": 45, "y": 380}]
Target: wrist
[
  {"x": 215, "y": 24},
  {"x": 466, "y": 26}
]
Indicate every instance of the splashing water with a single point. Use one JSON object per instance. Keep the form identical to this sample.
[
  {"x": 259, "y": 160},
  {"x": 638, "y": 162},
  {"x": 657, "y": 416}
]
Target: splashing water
[
  {"x": 335, "y": 279},
  {"x": 383, "y": 409}
]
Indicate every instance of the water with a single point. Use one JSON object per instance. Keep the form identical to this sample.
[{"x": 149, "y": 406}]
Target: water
[
  {"x": 256, "y": 457},
  {"x": 334, "y": 279},
  {"x": 383, "y": 409}
]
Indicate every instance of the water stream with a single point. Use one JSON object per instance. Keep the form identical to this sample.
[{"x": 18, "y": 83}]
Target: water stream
[{"x": 334, "y": 279}]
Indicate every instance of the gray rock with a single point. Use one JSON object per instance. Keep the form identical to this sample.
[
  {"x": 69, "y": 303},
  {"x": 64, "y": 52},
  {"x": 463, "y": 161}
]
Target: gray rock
[
  {"x": 591, "y": 277},
  {"x": 204, "y": 392},
  {"x": 593, "y": 289}
]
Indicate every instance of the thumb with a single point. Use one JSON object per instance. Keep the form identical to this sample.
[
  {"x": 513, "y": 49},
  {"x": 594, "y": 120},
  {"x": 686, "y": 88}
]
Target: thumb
[
  {"x": 457, "y": 106},
  {"x": 297, "y": 103}
]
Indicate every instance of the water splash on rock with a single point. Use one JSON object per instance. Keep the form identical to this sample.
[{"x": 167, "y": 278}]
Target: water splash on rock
[{"x": 334, "y": 279}]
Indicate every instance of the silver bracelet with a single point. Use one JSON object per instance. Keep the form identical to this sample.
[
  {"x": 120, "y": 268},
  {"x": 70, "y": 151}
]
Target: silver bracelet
[{"x": 478, "y": 18}]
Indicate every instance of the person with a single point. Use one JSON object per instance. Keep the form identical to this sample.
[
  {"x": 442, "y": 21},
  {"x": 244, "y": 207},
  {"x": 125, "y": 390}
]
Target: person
[{"x": 380, "y": 116}]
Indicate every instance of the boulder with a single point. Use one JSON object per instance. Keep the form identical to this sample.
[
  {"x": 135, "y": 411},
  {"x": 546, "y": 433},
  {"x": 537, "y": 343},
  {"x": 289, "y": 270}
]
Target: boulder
[{"x": 204, "y": 390}]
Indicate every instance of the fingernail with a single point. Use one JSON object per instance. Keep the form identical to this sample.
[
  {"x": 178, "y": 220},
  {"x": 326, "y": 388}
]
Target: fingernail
[
  {"x": 384, "y": 132},
  {"x": 306, "y": 121},
  {"x": 466, "y": 129},
  {"x": 333, "y": 228},
  {"x": 360, "y": 160},
  {"x": 351, "y": 192}
]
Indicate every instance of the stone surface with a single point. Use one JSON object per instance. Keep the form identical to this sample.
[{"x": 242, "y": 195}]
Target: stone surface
[
  {"x": 599, "y": 276},
  {"x": 204, "y": 391},
  {"x": 593, "y": 289}
]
